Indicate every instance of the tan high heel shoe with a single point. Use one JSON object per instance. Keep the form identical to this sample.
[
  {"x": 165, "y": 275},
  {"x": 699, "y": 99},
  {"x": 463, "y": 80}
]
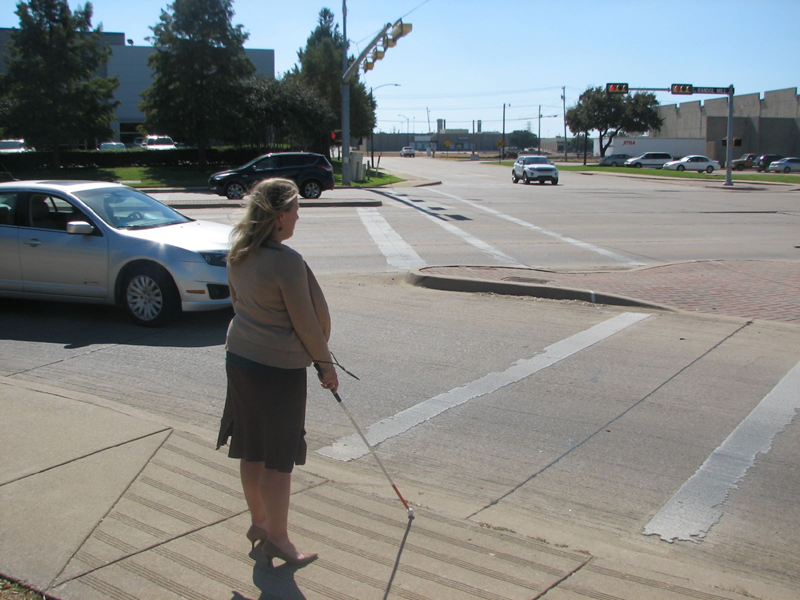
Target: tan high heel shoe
[
  {"x": 271, "y": 551},
  {"x": 256, "y": 534}
]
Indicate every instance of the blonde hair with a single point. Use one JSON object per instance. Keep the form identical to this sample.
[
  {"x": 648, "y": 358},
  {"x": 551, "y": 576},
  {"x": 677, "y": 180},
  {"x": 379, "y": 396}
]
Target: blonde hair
[{"x": 268, "y": 199}]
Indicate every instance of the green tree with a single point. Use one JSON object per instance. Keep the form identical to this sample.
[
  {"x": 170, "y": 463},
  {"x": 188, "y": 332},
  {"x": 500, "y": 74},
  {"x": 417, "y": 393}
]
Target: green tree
[
  {"x": 523, "y": 138},
  {"x": 53, "y": 96},
  {"x": 613, "y": 114},
  {"x": 320, "y": 69},
  {"x": 283, "y": 110},
  {"x": 200, "y": 71}
]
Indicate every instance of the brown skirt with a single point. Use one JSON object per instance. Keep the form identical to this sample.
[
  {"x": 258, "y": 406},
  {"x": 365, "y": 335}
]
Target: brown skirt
[{"x": 265, "y": 412}]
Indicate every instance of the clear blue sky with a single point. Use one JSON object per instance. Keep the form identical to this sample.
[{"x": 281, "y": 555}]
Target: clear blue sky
[{"x": 466, "y": 58}]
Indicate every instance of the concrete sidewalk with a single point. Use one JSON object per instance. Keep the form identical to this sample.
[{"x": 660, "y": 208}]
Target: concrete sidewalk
[{"x": 101, "y": 501}]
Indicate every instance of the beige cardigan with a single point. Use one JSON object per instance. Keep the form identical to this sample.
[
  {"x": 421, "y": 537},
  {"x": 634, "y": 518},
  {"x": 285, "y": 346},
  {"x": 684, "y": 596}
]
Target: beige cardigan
[{"x": 282, "y": 319}]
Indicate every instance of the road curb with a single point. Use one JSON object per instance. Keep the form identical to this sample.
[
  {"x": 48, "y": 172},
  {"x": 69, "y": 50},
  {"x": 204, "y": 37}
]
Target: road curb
[{"x": 418, "y": 277}]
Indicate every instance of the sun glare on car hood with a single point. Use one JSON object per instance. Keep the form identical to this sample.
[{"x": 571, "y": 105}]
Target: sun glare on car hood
[{"x": 195, "y": 235}]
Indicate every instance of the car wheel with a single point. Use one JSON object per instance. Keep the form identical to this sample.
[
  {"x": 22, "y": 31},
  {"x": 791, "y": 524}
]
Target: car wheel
[
  {"x": 525, "y": 179},
  {"x": 613, "y": 164},
  {"x": 638, "y": 165},
  {"x": 514, "y": 178},
  {"x": 709, "y": 169},
  {"x": 681, "y": 168},
  {"x": 311, "y": 189},
  {"x": 149, "y": 296},
  {"x": 786, "y": 169},
  {"x": 740, "y": 167},
  {"x": 235, "y": 191},
  {"x": 554, "y": 181}
]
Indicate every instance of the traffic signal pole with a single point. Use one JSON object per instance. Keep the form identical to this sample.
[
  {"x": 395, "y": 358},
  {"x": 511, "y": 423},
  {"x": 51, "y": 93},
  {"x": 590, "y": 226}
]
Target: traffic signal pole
[
  {"x": 345, "y": 103},
  {"x": 689, "y": 89},
  {"x": 729, "y": 147},
  {"x": 398, "y": 30}
]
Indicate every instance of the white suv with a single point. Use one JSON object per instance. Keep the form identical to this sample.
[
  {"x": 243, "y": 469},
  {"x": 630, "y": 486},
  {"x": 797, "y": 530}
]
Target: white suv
[
  {"x": 651, "y": 160},
  {"x": 534, "y": 168},
  {"x": 407, "y": 151}
]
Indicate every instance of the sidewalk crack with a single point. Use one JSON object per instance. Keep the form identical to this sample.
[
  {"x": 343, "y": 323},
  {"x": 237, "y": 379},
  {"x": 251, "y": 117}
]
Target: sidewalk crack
[{"x": 558, "y": 582}]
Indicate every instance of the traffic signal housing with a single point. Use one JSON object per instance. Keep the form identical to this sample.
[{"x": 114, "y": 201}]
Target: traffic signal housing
[
  {"x": 617, "y": 88},
  {"x": 336, "y": 136},
  {"x": 682, "y": 88}
]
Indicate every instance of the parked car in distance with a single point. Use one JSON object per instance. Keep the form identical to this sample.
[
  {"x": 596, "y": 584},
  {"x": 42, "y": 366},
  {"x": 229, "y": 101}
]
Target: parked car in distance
[
  {"x": 112, "y": 146},
  {"x": 693, "y": 162},
  {"x": 407, "y": 151},
  {"x": 312, "y": 173},
  {"x": 105, "y": 243},
  {"x": 785, "y": 165},
  {"x": 744, "y": 162},
  {"x": 762, "y": 162},
  {"x": 138, "y": 142},
  {"x": 651, "y": 160},
  {"x": 534, "y": 168},
  {"x": 14, "y": 146},
  {"x": 158, "y": 142},
  {"x": 614, "y": 160}
]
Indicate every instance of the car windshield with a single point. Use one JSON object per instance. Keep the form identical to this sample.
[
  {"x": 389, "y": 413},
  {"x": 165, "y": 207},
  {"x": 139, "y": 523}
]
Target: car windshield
[
  {"x": 11, "y": 145},
  {"x": 162, "y": 141},
  {"x": 536, "y": 160},
  {"x": 126, "y": 208}
]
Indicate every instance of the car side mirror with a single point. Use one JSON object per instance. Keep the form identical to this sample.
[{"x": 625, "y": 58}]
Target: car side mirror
[{"x": 80, "y": 228}]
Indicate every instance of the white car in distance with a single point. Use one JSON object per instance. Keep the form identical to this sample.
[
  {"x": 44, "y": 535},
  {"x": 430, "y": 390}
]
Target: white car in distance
[
  {"x": 534, "y": 168},
  {"x": 693, "y": 162}
]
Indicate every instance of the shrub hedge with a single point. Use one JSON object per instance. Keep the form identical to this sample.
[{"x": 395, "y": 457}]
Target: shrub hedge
[{"x": 97, "y": 159}]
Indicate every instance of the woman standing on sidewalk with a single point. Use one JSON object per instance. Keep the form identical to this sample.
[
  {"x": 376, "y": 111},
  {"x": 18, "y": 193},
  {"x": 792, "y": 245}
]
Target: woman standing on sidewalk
[{"x": 281, "y": 325}]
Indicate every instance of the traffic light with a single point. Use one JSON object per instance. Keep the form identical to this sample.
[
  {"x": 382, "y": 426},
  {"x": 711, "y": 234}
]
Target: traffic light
[
  {"x": 400, "y": 29},
  {"x": 682, "y": 88},
  {"x": 617, "y": 88},
  {"x": 386, "y": 40},
  {"x": 336, "y": 136},
  {"x": 736, "y": 141}
]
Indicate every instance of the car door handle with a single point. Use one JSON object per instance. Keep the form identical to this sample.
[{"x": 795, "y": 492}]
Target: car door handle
[{"x": 33, "y": 243}]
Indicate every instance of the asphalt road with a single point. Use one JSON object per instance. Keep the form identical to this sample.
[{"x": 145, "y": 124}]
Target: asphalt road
[{"x": 591, "y": 421}]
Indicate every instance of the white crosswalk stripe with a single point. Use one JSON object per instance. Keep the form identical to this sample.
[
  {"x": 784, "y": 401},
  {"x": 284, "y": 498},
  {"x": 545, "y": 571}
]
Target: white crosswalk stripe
[{"x": 352, "y": 447}]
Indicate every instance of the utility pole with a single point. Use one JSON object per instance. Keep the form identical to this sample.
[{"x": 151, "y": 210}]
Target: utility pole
[
  {"x": 564, "y": 103},
  {"x": 503, "y": 149},
  {"x": 539, "y": 134}
]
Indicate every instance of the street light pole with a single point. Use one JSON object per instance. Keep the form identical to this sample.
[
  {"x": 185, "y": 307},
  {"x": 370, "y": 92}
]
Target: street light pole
[
  {"x": 408, "y": 133},
  {"x": 372, "y": 137}
]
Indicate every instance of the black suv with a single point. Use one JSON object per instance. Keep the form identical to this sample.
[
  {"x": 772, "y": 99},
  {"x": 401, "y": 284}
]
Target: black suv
[
  {"x": 311, "y": 172},
  {"x": 762, "y": 162}
]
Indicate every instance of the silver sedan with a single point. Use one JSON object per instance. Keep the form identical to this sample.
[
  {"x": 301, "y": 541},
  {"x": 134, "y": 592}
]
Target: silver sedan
[
  {"x": 784, "y": 165},
  {"x": 106, "y": 243},
  {"x": 693, "y": 162}
]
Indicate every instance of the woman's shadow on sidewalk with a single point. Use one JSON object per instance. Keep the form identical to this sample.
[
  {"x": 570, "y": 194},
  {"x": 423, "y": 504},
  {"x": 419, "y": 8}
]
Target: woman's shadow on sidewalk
[{"x": 275, "y": 582}]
